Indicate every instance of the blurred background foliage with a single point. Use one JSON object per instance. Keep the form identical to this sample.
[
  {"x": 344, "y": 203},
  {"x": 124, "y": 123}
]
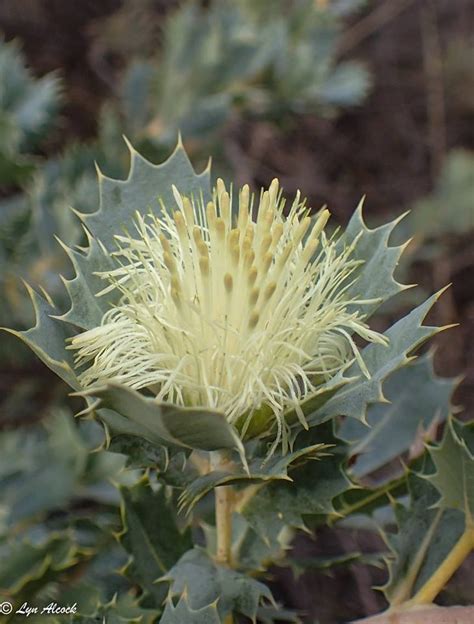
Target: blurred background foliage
[{"x": 335, "y": 97}]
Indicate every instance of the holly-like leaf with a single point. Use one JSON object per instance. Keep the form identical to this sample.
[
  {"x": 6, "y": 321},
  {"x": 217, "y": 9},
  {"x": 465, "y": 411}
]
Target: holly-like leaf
[
  {"x": 250, "y": 552},
  {"x": 425, "y": 537},
  {"x": 119, "y": 610},
  {"x": 454, "y": 476},
  {"x": 26, "y": 567},
  {"x": 145, "y": 187},
  {"x": 139, "y": 452},
  {"x": 183, "y": 613},
  {"x": 172, "y": 467},
  {"x": 151, "y": 536},
  {"x": 418, "y": 399},
  {"x": 206, "y": 582},
  {"x": 329, "y": 563},
  {"x": 48, "y": 339},
  {"x": 164, "y": 423},
  {"x": 312, "y": 490},
  {"x": 274, "y": 469},
  {"x": 87, "y": 309},
  {"x": 405, "y": 336},
  {"x": 375, "y": 275}
]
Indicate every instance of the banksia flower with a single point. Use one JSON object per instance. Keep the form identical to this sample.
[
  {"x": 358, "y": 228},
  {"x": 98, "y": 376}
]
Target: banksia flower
[{"x": 228, "y": 305}]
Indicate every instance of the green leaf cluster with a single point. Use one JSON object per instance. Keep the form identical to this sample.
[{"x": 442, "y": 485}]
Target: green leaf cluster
[
  {"x": 239, "y": 58},
  {"x": 27, "y": 109}
]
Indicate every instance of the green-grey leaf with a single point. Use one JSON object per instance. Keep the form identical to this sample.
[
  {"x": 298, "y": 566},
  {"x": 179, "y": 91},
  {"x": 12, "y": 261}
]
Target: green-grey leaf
[
  {"x": 23, "y": 564},
  {"x": 182, "y": 613},
  {"x": 312, "y": 490},
  {"x": 139, "y": 452},
  {"x": 40, "y": 469},
  {"x": 151, "y": 536},
  {"x": 172, "y": 467},
  {"x": 275, "y": 469},
  {"x": 405, "y": 336},
  {"x": 87, "y": 309},
  {"x": 163, "y": 423},
  {"x": 48, "y": 339},
  {"x": 119, "y": 610},
  {"x": 31, "y": 102},
  {"x": 146, "y": 185},
  {"x": 425, "y": 538},
  {"x": 454, "y": 476},
  {"x": 206, "y": 582},
  {"x": 375, "y": 276},
  {"x": 418, "y": 398}
]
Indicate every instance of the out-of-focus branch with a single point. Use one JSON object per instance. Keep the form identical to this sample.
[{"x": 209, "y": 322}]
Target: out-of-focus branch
[
  {"x": 433, "y": 63},
  {"x": 368, "y": 25}
]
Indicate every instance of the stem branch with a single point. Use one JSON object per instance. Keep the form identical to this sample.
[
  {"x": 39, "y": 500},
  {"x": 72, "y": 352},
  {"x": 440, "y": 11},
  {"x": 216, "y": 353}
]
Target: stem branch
[
  {"x": 438, "y": 580},
  {"x": 224, "y": 502},
  {"x": 224, "y": 508}
]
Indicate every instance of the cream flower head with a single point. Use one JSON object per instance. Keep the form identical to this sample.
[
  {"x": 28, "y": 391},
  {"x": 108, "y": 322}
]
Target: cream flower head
[{"x": 228, "y": 310}]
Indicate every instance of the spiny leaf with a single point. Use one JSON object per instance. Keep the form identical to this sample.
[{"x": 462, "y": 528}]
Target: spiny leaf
[
  {"x": 424, "y": 539},
  {"x": 206, "y": 582},
  {"x": 454, "y": 476},
  {"x": 405, "y": 336},
  {"x": 328, "y": 563},
  {"x": 249, "y": 551},
  {"x": 120, "y": 200},
  {"x": 87, "y": 309},
  {"x": 172, "y": 466},
  {"x": 182, "y": 613},
  {"x": 313, "y": 488},
  {"x": 375, "y": 275},
  {"x": 24, "y": 565},
  {"x": 146, "y": 185},
  {"x": 163, "y": 423},
  {"x": 119, "y": 610},
  {"x": 275, "y": 469},
  {"x": 418, "y": 399},
  {"x": 48, "y": 339},
  {"x": 139, "y": 452},
  {"x": 151, "y": 536}
]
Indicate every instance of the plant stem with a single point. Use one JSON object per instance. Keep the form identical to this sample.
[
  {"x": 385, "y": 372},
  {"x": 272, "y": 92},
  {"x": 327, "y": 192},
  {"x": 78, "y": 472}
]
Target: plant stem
[
  {"x": 224, "y": 507},
  {"x": 438, "y": 580},
  {"x": 224, "y": 501},
  {"x": 224, "y": 497}
]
